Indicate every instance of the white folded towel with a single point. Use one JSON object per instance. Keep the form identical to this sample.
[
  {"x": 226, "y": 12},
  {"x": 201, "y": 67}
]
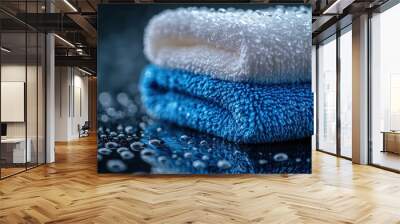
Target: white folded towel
[{"x": 272, "y": 45}]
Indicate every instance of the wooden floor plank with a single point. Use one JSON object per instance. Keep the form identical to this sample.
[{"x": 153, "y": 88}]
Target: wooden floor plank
[{"x": 71, "y": 191}]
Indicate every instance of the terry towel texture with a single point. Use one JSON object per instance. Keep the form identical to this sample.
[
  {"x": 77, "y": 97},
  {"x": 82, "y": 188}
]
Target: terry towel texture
[
  {"x": 239, "y": 112},
  {"x": 271, "y": 45}
]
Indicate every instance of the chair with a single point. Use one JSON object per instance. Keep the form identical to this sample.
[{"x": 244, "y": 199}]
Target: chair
[{"x": 84, "y": 129}]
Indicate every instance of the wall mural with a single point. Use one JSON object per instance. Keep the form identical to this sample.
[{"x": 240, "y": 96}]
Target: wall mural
[{"x": 204, "y": 89}]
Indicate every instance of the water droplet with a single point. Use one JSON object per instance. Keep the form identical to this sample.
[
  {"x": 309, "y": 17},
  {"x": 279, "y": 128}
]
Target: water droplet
[
  {"x": 127, "y": 155},
  {"x": 147, "y": 153},
  {"x": 221, "y": 10},
  {"x": 205, "y": 157},
  {"x": 116, "y": 166},
  {"x": 203, "y": 142},
  {"x": 111, "y": 145},
  {"x": 121, "y": 149},
  {"x": 142, "y": 125},
  {"x": 136, "y": 146},
  {"x": 111, "y": 112},
  {"x": 187, "y": 155},
  {"x": 104, "y": 151},
  {"x": 155, "y": 142},
  {"x": 223, "y": 164},
  {"x": 198, "y": 164},
  {"x": 184, "y": 137},
  {"x": 123, "y": 99},
  {"x": 209, "y": 150},
  {"x": 259, "y": 12},
  {"x": 99, "y": 157},
  {"x": 162, "y": 159},
  {"x": 262, "y": 161},
  {"x": 159, "y": 129},
  {"x": 308, "y": 160},
  {"x": 129, "y": 130},
  {"x": 174, "y": 156},
  {"x": 280, "y": 157},
  {"x": 105, "y": 99},
  {"x": 298, "y": 160},
  {"x": 104, "y": 118}
]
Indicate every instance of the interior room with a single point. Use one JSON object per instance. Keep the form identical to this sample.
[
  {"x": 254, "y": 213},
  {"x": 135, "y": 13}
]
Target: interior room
[
  {"x": 52, "y": 139},
  {"x": 22, "y": 102},
  {"x": 384, "y": 90}
]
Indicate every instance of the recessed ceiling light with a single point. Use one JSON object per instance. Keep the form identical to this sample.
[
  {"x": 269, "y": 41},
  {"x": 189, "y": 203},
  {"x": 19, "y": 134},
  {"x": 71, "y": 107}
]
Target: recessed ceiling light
[
  {"x": 5, "y": 50},
  {"x": 70, "y": 5},
  {"x": 338, "y": 6},
  {"x": 84, "y": 71},
  {"x": 64, "y": 40}
]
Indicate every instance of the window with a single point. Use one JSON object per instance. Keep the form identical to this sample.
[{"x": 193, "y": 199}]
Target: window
[
  {"x": 346, "y": 92},
  {"x": 385, "y": 89}
]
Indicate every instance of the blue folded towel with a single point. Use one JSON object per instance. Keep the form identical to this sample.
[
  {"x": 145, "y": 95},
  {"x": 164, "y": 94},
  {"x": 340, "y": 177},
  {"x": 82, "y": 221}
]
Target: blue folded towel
[{"x": 236, "y": 111}]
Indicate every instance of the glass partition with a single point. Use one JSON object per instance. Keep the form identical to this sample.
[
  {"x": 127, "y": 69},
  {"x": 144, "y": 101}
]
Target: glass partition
[
  {"x": 14, "y": 153},
  {"x": 22, "y": 78},
  {"x": 326, "y": 101},
  {"x": 32, "y": 97}
]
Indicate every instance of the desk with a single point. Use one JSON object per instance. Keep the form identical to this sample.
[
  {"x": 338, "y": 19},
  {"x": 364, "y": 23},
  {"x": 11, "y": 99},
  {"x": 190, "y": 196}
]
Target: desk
[
  {"x": 17, "y": 147},
  {"x": 391, "y": 141}
]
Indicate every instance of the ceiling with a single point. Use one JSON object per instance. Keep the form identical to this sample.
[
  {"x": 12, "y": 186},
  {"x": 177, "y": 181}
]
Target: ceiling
[{"x": 76, "y": 21}]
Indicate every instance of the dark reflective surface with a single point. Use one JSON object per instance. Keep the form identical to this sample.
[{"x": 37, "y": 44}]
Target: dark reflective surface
[{"x": 131, "y": 142}]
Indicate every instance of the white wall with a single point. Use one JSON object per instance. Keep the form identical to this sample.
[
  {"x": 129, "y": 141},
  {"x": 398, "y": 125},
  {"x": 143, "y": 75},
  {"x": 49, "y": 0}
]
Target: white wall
[
  {"x": 81, "y": 85},
  {"x": 314, "y": 89},
  {"x": 61, "y": 103},
  {"x": 17, "y": 72},
  {"x": 33, "y": 126},
  {"x": 14, "y": 72},
  {"x": 71, "y": 94}
]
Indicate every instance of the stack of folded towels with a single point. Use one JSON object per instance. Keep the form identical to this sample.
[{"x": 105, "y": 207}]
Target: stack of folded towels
[{"x": 242, "y": 75}]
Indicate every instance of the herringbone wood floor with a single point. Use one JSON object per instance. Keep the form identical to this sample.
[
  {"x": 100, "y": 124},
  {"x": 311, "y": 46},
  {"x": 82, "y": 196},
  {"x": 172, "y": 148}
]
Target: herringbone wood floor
[{"x": 70, "y": 191}]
